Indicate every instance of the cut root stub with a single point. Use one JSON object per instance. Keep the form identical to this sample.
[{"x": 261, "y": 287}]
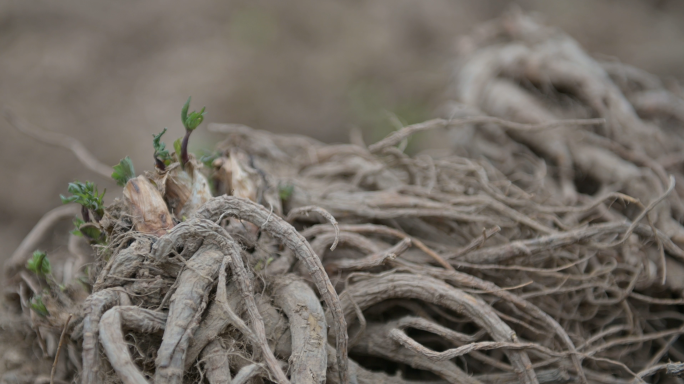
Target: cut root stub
[
  {"x": 186, "y": 190},
  {"x": 147, "y": 207}
]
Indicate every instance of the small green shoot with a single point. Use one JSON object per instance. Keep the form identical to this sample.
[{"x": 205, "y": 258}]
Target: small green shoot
[
  {"x": 194, "y": 119},
  {"x": 39, "y": 264},
  {"x": 285, "y": 191},
  {"x": 90, "y": 231},
  {"x": 83, "y": 280},
  {"x": 77, "y": 224},
  {"x": 162, "y": 158},
  {"x": 190, "y": 122},
  {"x": 87, "y": 195},
  {"x": 93, "y": 233},
  {"x": 177, "y": 147},
  {"x": 123, "y": 171},
  {"x": 208, "y": 158},
  {"x": 259, "y": 266},
  {"x": 38, "y": 306}
]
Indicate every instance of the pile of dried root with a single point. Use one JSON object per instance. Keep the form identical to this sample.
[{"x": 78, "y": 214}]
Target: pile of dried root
[{"x": 544, "y": 248}]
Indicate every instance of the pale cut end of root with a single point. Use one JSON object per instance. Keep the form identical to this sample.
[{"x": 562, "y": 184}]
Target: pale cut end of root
[
  {"x": 147, "y": 207},
  {"x": 244, "y": 179},
  {"x": 178, "y": 187},
  {"x": 186, "y": 190}
]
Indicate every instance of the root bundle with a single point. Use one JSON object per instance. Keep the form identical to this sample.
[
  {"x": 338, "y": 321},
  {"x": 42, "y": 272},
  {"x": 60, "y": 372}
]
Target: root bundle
[{"x": 544, "y": 247}]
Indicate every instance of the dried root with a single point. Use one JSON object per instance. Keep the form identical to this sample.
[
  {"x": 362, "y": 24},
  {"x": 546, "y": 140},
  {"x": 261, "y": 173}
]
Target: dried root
[
  {"x": 544, "y": 248},
  {"x": 114, "y": 345},
  {"x": 93, "y": 308},
  {"x": 216, "y": 362},
  {"x": 308, "y": 329},
  {"x": 280, "y": 230}
]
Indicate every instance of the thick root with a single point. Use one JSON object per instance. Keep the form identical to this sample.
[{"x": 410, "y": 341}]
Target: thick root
[
  {"x": 284, "y": 232},
  {"x": 94, "y": 307},
  {"x": 308, "y": 361},
  {"x": 373, "y": 290},
  {"x": 112, "y": 338},
  {"x": 216, "y": 363}
]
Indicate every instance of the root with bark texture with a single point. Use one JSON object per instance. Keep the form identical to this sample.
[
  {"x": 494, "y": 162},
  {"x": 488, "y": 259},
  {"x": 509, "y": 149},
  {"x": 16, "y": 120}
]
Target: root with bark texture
[{"x": 544, "y": 247}]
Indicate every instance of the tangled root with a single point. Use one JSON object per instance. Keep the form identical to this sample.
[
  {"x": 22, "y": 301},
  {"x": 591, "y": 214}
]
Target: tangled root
[{"x": 543, "y": 248}]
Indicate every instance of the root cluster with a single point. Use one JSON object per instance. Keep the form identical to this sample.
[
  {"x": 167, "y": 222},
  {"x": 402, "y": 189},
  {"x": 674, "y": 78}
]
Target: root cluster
[{"x": 544, "y": 247}]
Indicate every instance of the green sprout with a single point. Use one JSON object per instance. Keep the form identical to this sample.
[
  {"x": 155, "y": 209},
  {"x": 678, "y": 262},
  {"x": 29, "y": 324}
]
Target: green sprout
[
  {"x": 208, "y": 158},
  {"x": 162, "y": 158},
  {"x": 177, "y": 147},
  {"x": 38, "y": 306},
  {"x": 39, "y": 264},
  {"x": 285, "y": 191},
  {"x": 123, "y": 171},
  {"x": 86, "y": 194},
  {"x": 91, "y": 232},
  {"x": 190, "y": 122},
  {"x": 77, "y": 224},
  {"x": 194, "y": 119}
]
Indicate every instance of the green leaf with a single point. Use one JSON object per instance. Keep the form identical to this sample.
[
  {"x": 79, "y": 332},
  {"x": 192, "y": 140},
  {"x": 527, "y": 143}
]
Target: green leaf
[
  {"x": 88, "y": 230},
  {"x": 77, "y": 223},
  {"x": 38, "y": 306},
  {"x": 160, "y": 151},
  {"x": 91, "y": 232},
  {"x": 208, "y": 158},
  {"x": 285, "y": 191},
  {"x": 194, "y": 119},
  {"x": 87, "y": 195},
  {"x": 184, "y": 111},
  {"x": 177, "y": 147},
  {"x": 83, "y": 280},
  {"x": 67, "y": 200},
  {"x": 123, "y": 171},
  {"x": 39, "y": 264}
]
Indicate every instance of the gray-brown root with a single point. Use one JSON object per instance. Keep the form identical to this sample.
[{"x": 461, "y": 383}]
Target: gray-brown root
[
  {"x": 94, "y": 307},
  {"x": 542, "y": 247},
  {"x": 112, "y": 338},
  {"x": 189, "y": 300},
  {"x": 378, "y": 343},
  {"x": 185, "y": 309},
  {"x": 369, "y": 291},
  {"x": 284, "y": 232},
  {"x": 216, "y": 363},
  {"x": 308, "y": 361}
]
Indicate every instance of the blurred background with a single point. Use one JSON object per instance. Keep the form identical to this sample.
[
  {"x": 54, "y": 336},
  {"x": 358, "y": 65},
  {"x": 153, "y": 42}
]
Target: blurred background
[{"x": 112, "y": 73}]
